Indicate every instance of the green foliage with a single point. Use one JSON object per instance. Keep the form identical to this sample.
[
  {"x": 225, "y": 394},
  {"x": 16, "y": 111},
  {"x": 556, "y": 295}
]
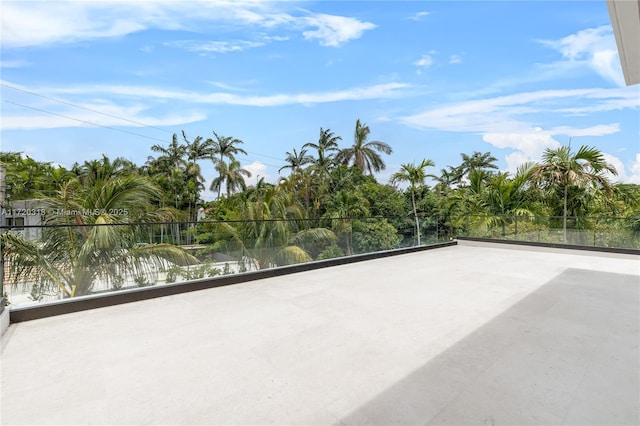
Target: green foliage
[
  {"x": 318, "y": 211},
  {"x": 384, "y": 200},
  {"x": 142, "y": 281},
  {"x": 93, "y": 238},
  {"x": 374, "y": 235},
  {"x": 362, "y": 154},
  {"x": 331, "y": 252}
]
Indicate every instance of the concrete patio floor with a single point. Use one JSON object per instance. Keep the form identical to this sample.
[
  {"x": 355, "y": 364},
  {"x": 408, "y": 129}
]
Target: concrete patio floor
[{"x": 485, "y": 335}]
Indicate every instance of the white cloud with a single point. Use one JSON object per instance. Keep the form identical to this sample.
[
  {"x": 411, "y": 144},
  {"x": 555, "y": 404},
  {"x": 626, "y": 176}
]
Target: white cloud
[
  {"x": 68, "y": 21},
  {"x": 500, "y": 114},
  {"x": 619, "y": 165},
  {"x": 418, "y": 16},
  {"x": 592, "y": 47},
  {"x": 627, "y": 173},
  {"x": 334, "y": 30},
  {"x": 14, "y": 64},
  {"x": 225, "y": 86},
  {"x": 528, "y": 146},
  {"x": 455, "y": 59},
  {"x": 379, "y": 91},
  {"x": 24, "y": 24},
  {"x": 121, "y": 98},
  {"x": 504, "y": 121},
  {"x": 19, "y": 118},
  {"x": 425, "y": 61},
  {"x": 635, "y": 170},
  {"x": 598, "y": 130},
  {"x": 215, "y": 46},
  {"x": 258, "y": 171}
]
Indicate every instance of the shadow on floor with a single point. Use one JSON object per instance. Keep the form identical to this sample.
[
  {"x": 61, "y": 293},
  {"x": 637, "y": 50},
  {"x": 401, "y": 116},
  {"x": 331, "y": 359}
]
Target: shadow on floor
[{"x": 566, "y": 354}]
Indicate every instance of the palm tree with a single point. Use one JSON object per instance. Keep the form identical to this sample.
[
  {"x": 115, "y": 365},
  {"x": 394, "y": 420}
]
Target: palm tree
[
  {"x": 495, "y": 199},
  {"x": 231, "y": 175},
  {"x": 93, "y": 238},
  {"x": 169, "y": 171},
  {"x": 225, "y": 146},
  {"x": 296, "y": 160},
  {"x": 326, "y": 147},
  {"x": 268, "y": 235},
  {"x": 446, "y": 180},
  {"x": 362, "y": 153},
  {"x": 565, "y": 169},
  {"x": 475, "y": 161},
  {"x": 343, "y": 207},
  {"x": 478, "y": 161},
  {"x": 171, "y": 157},
  {"x": 93, "y": 171},
  {"x": 196, "y": 150},
  {"x": 415, "y": 176}
]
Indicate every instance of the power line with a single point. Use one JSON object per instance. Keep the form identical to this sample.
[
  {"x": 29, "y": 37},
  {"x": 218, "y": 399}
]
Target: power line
[
  {"x": 84, "y": 121},
  {"x": 105, "y": 126},
  {"x": 82, "y": 107},
  {"x": 9, "y": 86}
]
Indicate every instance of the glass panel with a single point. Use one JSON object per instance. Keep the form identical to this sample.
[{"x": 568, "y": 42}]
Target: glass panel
[{"x": 49, "y": 263}]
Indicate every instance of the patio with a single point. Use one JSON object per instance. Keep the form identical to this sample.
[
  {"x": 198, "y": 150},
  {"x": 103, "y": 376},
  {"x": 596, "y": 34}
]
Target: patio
[{"x": 476, "y": 333}]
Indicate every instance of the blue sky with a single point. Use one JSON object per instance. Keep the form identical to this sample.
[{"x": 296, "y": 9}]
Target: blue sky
[{"x": 432, "y": 79}]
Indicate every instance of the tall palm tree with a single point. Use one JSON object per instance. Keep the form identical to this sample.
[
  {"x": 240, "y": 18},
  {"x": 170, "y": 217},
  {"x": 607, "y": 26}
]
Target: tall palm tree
[
  {"x": 93, "y": 238},
  {"x": 415, "y": 175},
  {"x": 566, "y": 169},
  {"x": 326, "y": 147},
  {"x": 225, "y": 147},
  {"x": 196, "y": 150},
  {"x": 231, "y": 175},
  {"x": 171, "y": 157},
  {"x": 362, "y": 153},
  {"x": 295, "y": 161},
  {"x": 169, "y": 171}
]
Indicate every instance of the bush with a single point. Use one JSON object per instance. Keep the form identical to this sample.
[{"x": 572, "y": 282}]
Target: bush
[
  {"x": 330, "y": 252},
  {"x": 373, "y": 236}
]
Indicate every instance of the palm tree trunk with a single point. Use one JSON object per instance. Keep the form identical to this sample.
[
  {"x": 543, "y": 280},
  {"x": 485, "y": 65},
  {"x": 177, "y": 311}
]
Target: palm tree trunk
[
  {"x": 564, "y": 217},
  {"x": 415, "y": 215},
  {"x": 220, "y": 187}
]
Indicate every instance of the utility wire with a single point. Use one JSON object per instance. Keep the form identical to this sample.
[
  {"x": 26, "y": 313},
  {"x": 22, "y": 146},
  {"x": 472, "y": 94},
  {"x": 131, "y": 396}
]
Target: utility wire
[
  {"x": 102, "y": 125},
  {"x": 84, "y": 121},
  {"x": 9, "y": 86},
  {"x": 82, "y": 107}
]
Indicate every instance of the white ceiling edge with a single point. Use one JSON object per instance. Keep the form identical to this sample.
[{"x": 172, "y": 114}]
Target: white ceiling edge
[{"x": 625, "y": 19}]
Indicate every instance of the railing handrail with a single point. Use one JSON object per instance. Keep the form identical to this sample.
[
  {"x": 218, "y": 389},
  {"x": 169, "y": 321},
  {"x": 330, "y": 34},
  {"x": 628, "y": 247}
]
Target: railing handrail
[{"x": 215, "y": 221}]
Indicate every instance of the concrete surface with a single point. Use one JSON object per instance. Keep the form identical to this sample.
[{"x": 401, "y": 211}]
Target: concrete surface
[
  {"x": 459, "y": 335},
  {"x": 4, "y": 321}
]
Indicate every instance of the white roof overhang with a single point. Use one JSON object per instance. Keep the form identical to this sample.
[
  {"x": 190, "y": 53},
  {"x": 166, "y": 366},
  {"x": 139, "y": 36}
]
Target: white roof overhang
[{"x": 625, "y": 19}]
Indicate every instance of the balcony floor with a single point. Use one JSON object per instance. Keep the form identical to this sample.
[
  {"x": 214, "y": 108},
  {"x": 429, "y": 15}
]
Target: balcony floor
[{"x": 458, "y": 335}]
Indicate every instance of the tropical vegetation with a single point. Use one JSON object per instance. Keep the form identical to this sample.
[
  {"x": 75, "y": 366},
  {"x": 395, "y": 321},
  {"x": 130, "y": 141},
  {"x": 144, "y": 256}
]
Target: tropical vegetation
[{"x": 110, "y": 220}]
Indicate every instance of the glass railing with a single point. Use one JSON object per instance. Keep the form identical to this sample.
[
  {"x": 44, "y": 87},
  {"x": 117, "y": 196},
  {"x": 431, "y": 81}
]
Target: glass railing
[
  {"x": 56, "y": 262},
  {"x": 50, "y": 263},
  {"x": 613, "y": 232}
]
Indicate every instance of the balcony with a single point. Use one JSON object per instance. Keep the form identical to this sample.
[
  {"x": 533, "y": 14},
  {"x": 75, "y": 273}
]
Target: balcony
[{"x": 473, "y": 333}]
